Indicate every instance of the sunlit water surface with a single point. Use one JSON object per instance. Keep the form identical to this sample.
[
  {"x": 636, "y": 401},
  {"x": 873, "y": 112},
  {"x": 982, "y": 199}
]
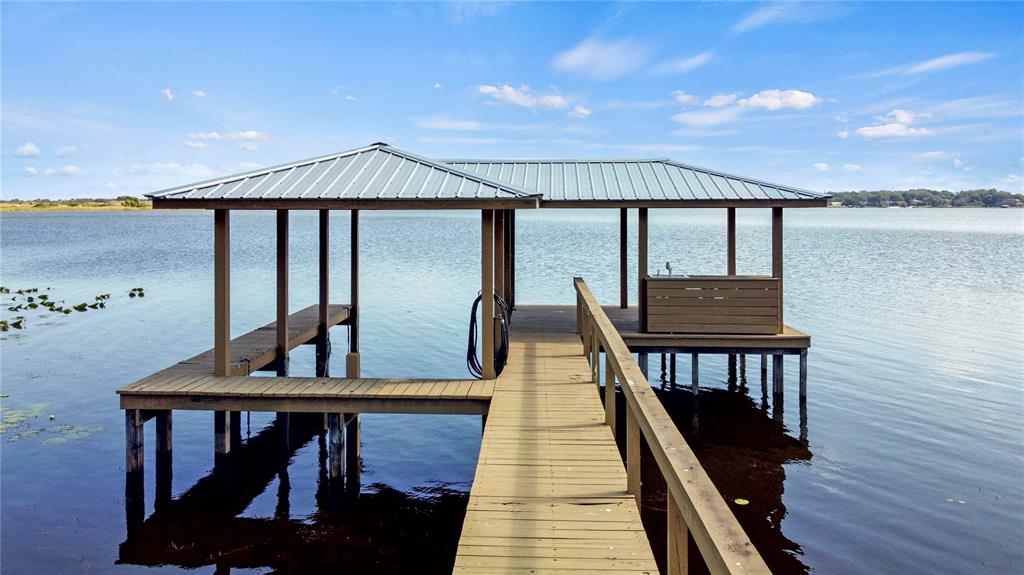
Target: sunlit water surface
[{"x": 915, "y": 454}]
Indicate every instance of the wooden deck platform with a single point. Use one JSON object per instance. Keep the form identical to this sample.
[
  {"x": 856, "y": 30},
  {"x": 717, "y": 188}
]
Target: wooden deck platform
[
  {"x": 308, "y": 394},
  {"x": 550, "y": 488},
  {"x": 257, "y": 349},
  {"x": 790, "y": 341}
]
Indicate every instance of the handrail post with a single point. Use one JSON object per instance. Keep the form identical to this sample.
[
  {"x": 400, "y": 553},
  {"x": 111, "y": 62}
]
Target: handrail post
[
  {"x": 678, "y": 540},
  {"x": 595, "y": 358},
  {"x": 632, "y": 454},
  {"x": 609, "y": 393}
]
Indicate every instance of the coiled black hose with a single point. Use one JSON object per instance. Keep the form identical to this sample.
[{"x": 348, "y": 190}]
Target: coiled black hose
[{"x": 501, "y": 350}]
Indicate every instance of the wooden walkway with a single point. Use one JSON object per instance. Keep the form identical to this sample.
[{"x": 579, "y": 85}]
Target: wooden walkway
[
  {"x": 307, "y": 394},
  {"x": 550, "y": 488},
  {"x": 258, "y": 348}
]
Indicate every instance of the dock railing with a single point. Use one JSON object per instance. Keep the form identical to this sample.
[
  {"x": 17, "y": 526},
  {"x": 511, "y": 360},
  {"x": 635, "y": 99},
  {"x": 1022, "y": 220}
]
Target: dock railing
[{"x": 696, "y": 510}]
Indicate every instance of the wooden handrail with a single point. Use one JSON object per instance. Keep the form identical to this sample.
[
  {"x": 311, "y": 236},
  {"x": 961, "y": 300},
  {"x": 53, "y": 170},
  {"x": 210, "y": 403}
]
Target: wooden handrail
[{"x": 695, "y": 507}]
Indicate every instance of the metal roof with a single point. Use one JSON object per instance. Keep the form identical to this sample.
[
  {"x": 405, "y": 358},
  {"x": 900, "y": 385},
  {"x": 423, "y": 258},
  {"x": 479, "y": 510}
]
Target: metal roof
[
  {"x": 376, "y": 172},
  {"x": 581, "y": 181}
]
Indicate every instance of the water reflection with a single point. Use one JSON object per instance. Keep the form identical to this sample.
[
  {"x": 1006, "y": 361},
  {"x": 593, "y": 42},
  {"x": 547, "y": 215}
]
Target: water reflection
[
  {"x": 378, "y": 530},
  {"x": 743, "y": 444}
]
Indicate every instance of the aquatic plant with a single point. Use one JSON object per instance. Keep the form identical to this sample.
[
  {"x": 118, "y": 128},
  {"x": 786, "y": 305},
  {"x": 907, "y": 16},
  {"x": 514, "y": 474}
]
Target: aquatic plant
[{"x": 43, "y": 302}]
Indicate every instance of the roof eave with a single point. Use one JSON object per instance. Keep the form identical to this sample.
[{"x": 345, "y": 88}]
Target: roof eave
[{"x": 518, "y": 203}]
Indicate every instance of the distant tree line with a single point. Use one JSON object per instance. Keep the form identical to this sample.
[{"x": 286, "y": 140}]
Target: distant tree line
[{"x": 990, "y": 198}]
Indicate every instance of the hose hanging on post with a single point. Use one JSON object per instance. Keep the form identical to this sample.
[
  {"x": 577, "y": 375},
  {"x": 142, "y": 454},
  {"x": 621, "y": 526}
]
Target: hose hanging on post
[{"x": 501, "y": 349}]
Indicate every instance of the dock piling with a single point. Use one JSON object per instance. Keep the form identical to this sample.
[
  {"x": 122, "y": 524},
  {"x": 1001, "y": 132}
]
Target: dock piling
[
  {"x": 164, "y": 460},
  {"x": 695, "y": 373}
]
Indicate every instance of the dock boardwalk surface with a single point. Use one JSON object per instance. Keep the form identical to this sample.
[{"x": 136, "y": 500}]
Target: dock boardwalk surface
[
  {"x": 258, "y": 348},
  {"x": 549, "y": 495}
]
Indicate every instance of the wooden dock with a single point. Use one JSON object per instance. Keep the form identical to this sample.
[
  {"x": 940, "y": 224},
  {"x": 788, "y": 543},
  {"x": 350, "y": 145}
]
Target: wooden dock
[
  {"x": 258, "y": 348},
  {"x": 550, "y": 488}
]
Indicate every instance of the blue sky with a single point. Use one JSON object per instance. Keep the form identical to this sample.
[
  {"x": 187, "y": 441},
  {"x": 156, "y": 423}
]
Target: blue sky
[{"x": 105, "y": 100}]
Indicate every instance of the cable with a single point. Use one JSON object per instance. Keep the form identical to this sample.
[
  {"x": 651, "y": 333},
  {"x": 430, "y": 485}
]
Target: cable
[{"x": 501, "y": 349}]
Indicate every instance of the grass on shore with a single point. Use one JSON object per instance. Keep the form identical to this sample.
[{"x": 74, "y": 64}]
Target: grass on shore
[{"x": 75, "y": 205}]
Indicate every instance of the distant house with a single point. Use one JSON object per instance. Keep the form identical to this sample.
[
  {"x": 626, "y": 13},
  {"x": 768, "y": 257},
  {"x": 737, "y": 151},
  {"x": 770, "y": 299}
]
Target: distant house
[{"x": 835, "y": 204}]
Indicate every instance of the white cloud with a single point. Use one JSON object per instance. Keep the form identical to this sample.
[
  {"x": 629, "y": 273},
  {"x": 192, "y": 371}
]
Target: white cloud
[
  {"x": 683, "y": 65},
  {"x": 438, "y": 86},
  {"x": 248, "y": 139},
  {"x": 350, "y": 98},
  {"x": 66, "y": 151},
  {"x": 895, "y": 124},
  {"x": 647, "y": 148},
  {"x": 852, "y": 167},
  {"x": 781, "y": 99},
  {"x": 843, "y": 134},
  {"x": 335, "y": 90},
  {"x": 199, "y": 93},
  {"x": 195, "y": 145},
  {"x": 523, "y": 96},
  {"x": 167, "y": 94},
  {"x": 949, "y": 61},
  {"x": 204, "y": 136},
  {"x": 28, "y": 150},
  {"x": 580, "y": 112},
  {"x": 822, "y": 167},
  {"x": 842, "y": 119},
  {"x": 777, "y": 12},
  {"x": 720, "y": 100},
  {"x": 682, "y": 97},
  {"x": 29, "y": 171},
  {"x": 68, "y": 170},
  {"x": 702, "y": 118},
  {"x": 601, "y": 60},
  {"x": 935, "y": 156}
]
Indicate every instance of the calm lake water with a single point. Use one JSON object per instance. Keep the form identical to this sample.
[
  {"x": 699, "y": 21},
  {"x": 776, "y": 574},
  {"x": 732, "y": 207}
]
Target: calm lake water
[{"x": 915, "y": 454}]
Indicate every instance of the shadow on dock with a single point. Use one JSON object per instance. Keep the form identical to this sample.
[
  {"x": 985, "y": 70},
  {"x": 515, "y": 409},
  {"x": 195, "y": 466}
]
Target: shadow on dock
[
  {"x": 375, "y": 529},
  {"x": 744, "y": 449}
]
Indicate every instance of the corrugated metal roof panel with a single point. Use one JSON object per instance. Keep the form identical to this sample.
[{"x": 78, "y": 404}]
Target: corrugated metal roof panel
[
  {"x": 660, "y": 179},
  {"x": 377, "y": 172}
]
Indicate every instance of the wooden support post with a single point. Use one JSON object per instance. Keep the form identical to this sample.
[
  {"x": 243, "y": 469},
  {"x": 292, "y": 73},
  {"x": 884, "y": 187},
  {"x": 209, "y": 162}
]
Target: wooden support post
[
  {"x": 353, "y": 443},
  {"x": 777, "y": 373},
  {"x": 335, "y": 446},
  {"x": 595, "y": 357},
  {"x": 678, "y": 540},
  {"x": 642, "y": 268},
  {"x": 164, "y": 460},
  {"x": 353, "y": 330},
  {"x": 499, "y": 253},
  {"x": 352, "y": 450},
  {"x": 512, "y": 258},
  {"x": 325, "y": 273},
  {"x": 803, "y": 375},
  {"x": 134, "y": 476},
  {"x": 642, "y": 360},
  {"x": 221, "y": 434},
  {"x": 487, "y": 294},
  {"x": 623, "y": 258},
  {"x": 282, "y": 292},
  {"x": 730, "y": 242},
  {"x": 236, "y": 429},
  {"x": 672, "y": 371},
  {"x": 609, "y": 394},
  {"x": 695, "y": 373},
  {"x": 633, "y": 439},
  {"x": 777, "y": 257},
  {"x": 221, "y": 292},
  {"x": 731, "y": 370}
]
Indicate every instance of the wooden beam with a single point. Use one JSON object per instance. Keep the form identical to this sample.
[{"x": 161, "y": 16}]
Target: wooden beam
[
  {"x": 507, "y": 284},
  {"x": 609, "y": 394},
  {"x": 623, "y": 258},
  {"x": 499, "y": 253},
  {"x": 487, "y": 293},
  {"x": 221, "y": 292},
  {"x": 678, "y": 540},
  {"x": 512, "y": 258},
  {"x": 353, "y": 344},
  {"x": 325, "y": 270},
  {"x": 642, "y": 268},
  {"x": 282, "y": 291},
  {"x": 777, "y": 256},
  {"x": 731, "y": 242}
]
